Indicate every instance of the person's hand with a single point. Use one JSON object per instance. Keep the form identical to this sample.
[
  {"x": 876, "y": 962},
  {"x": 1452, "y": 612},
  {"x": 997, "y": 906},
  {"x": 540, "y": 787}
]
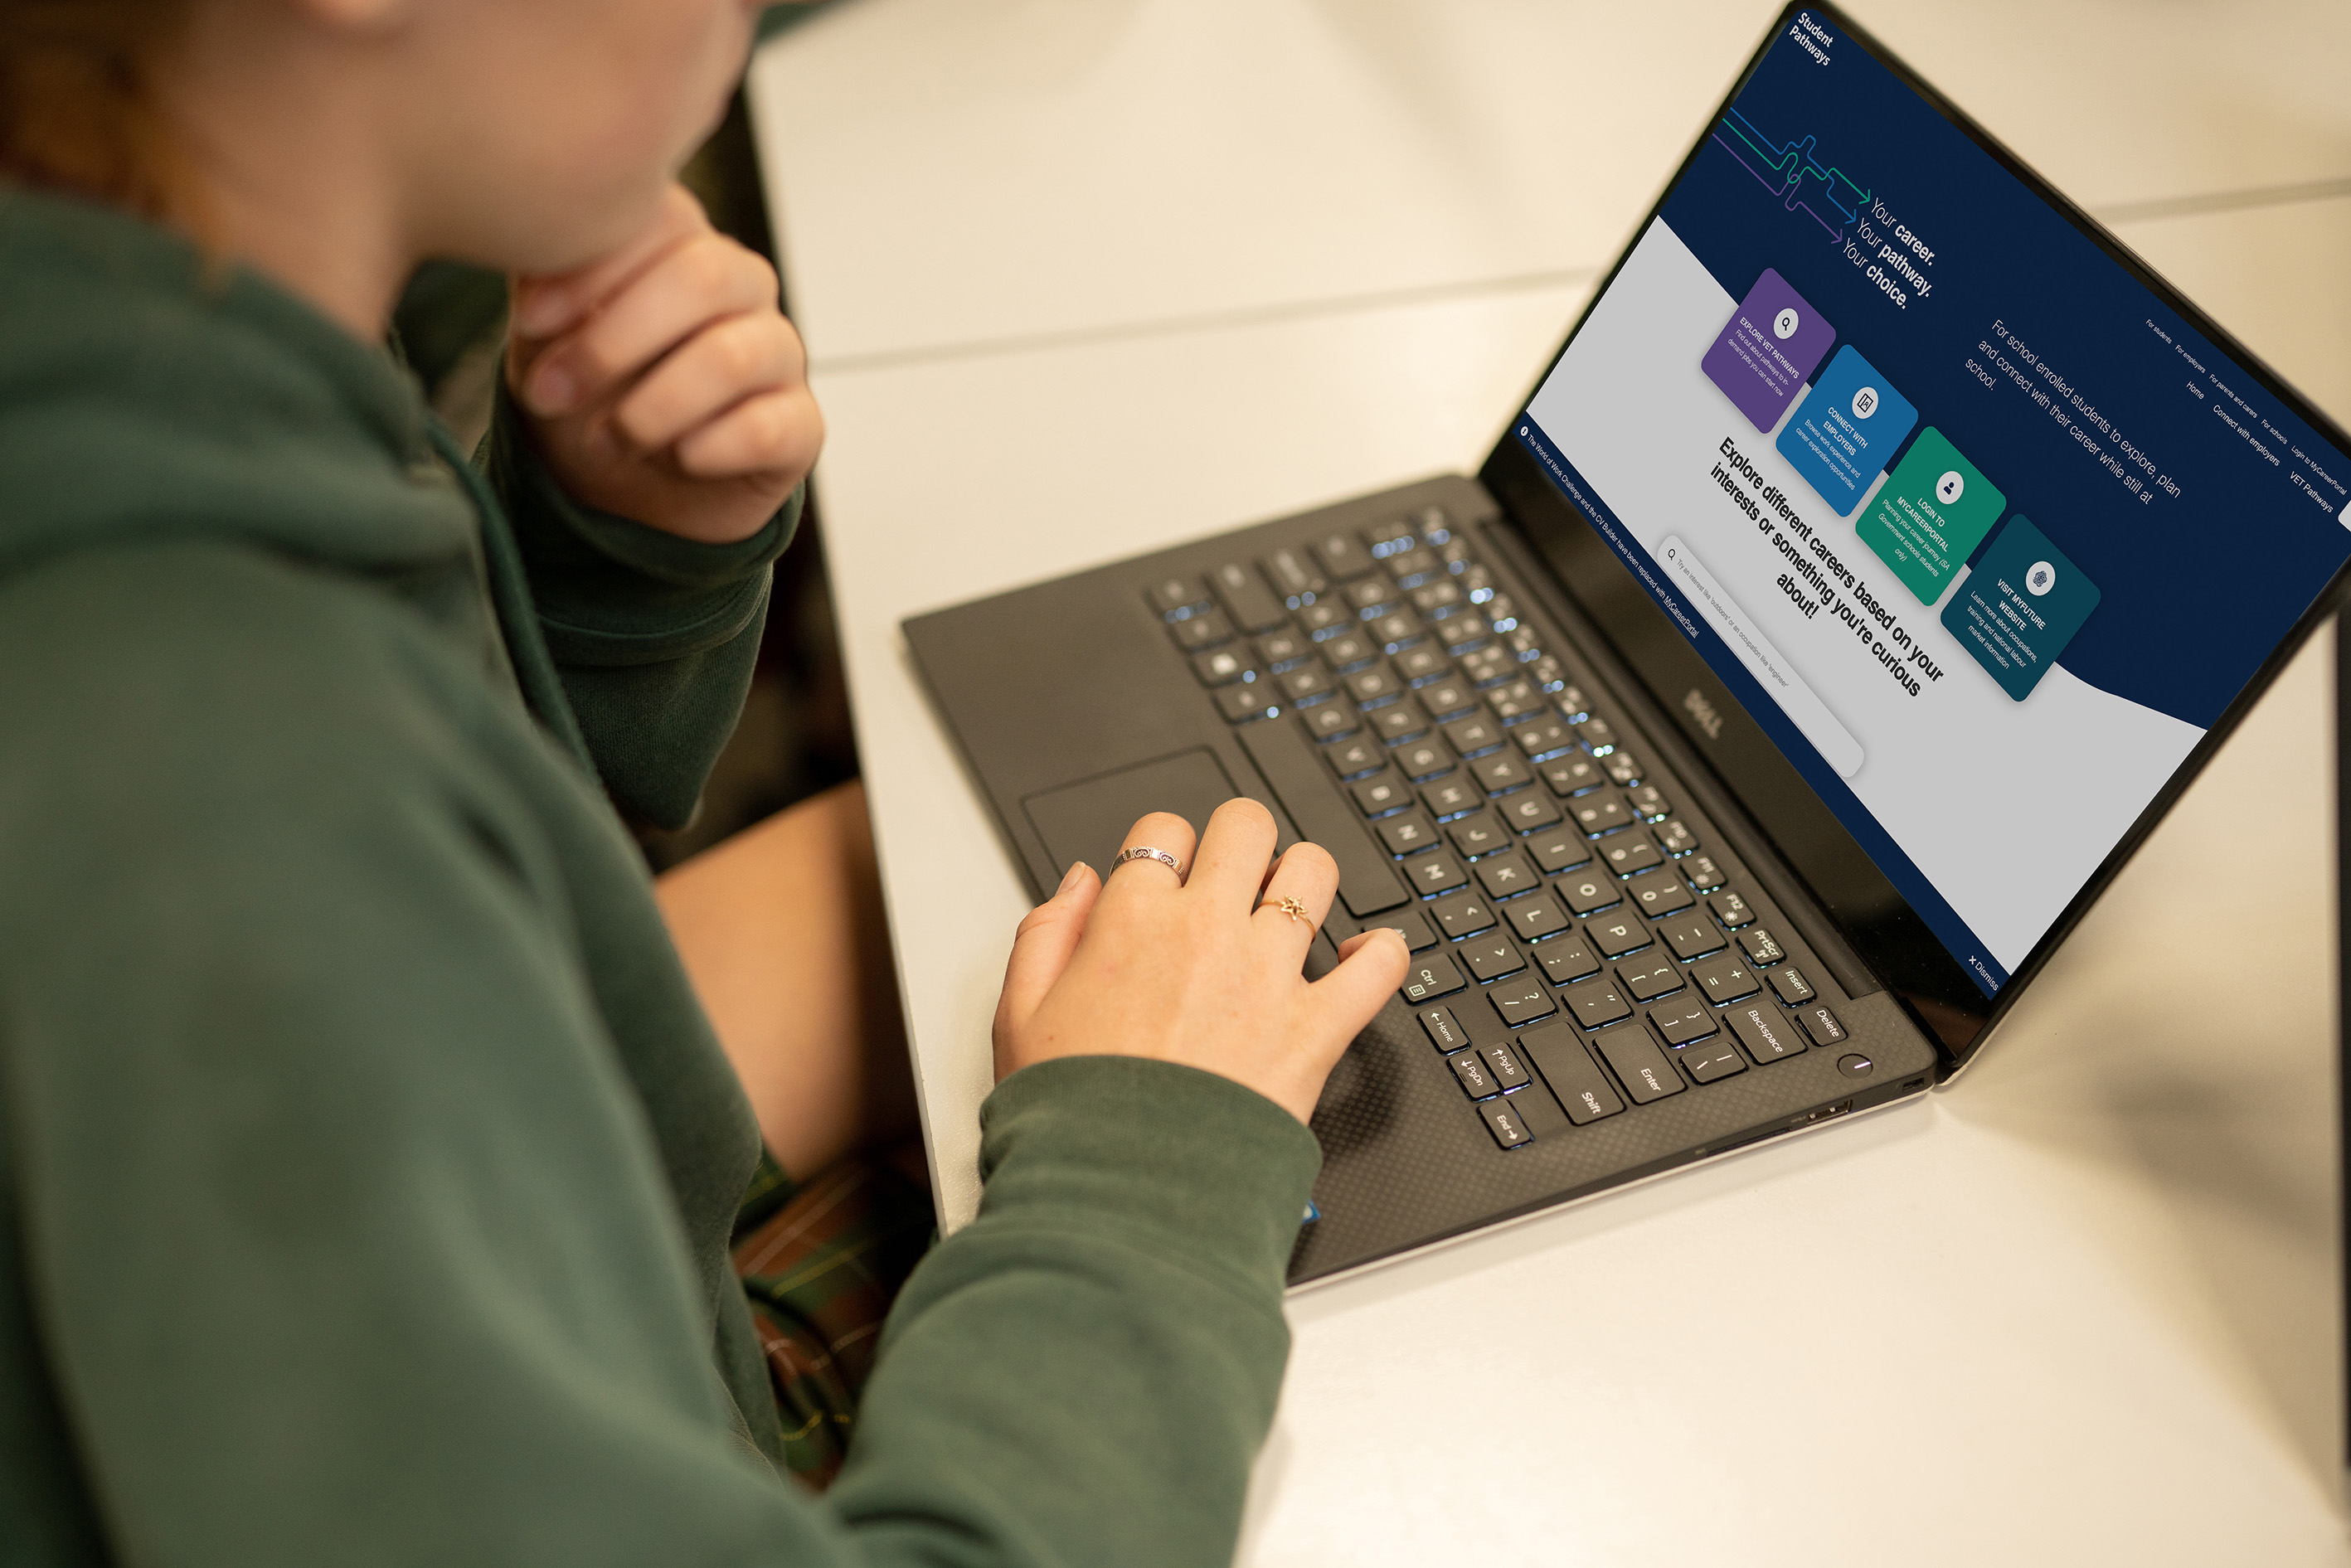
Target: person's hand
[
  {"x": 664, "y": 385},
  {"x": 1200, "y": 972}
]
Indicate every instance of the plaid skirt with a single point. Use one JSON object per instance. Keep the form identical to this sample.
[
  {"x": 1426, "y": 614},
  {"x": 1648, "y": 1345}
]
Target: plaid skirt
[{"x": 821, "y": 1261}]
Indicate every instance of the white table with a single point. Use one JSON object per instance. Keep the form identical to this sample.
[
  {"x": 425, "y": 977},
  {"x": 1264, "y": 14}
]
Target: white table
[{"x": 2080, "y": 1308}]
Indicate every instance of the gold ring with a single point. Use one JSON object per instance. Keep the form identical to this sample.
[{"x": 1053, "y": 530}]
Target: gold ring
[{"x": 1294, "y": 909}]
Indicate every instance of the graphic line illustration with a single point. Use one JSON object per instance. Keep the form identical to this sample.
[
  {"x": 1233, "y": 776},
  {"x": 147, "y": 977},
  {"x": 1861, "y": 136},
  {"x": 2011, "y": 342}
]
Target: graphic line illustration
[{"x": 1790, "y": 172}]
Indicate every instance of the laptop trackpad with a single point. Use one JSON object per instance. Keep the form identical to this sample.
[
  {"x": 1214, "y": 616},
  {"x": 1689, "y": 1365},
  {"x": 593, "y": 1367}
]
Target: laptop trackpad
[{"x": 1088, "y": 821}]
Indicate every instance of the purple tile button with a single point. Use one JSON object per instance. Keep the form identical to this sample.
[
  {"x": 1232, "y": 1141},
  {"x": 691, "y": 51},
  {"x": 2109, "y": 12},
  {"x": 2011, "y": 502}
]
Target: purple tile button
[{"x": 1772, "y": 343}]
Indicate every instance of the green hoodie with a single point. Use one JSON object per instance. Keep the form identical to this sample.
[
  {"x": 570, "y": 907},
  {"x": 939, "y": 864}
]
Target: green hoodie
[{"x": 366, "y": 1165}]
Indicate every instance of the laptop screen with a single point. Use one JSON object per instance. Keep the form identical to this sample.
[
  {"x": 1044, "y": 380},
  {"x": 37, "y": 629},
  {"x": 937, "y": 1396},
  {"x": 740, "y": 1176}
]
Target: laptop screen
[{"x": 1978, "y": 530}]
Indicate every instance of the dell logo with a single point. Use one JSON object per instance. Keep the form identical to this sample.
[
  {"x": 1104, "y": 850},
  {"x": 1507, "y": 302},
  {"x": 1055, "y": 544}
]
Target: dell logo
[{"x": 1703, "y": 711}]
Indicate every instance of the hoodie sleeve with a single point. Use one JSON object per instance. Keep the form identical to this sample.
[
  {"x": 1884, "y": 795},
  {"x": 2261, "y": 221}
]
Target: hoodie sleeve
[{"x": 653, "y": 636}]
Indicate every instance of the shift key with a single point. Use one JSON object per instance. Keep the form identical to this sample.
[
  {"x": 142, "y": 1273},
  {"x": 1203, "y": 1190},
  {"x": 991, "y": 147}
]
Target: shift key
[{"x": 1583, "y": 1090}]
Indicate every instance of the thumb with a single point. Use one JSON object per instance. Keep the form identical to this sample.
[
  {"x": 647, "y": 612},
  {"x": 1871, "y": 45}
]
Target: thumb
[
  {"x": 1042, "y": 948},
  {"x": 1371, "y": 964}
]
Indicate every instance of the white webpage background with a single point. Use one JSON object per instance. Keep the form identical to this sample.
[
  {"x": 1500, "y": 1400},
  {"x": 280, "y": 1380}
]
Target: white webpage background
[{"x": 2007, "y": 807}]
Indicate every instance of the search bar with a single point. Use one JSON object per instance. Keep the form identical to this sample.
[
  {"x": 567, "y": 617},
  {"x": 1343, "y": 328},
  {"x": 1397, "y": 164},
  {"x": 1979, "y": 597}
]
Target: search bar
[{"x": 1766, "y": 663}]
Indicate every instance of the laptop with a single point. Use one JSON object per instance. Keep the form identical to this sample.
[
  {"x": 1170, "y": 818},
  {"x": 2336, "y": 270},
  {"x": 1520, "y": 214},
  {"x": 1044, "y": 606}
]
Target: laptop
[{"x": 1883, "y": 552}]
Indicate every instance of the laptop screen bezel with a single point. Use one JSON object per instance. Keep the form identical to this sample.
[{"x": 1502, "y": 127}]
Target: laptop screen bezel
[{"x": 1868, "y": 911}]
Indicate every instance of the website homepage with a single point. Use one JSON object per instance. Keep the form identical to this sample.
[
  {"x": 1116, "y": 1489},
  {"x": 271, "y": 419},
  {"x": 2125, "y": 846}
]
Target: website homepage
[{"x": 1984, "y": 535}]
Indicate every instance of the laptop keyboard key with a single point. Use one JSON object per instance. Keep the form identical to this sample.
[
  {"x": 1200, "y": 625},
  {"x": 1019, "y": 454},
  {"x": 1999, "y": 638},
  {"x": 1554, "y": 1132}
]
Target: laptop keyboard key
[
  {"x": 1572, "y": 705},
  {"x": 1701, "y": 873},
  {"x": 1381, "y": 795},
  {"x": 1491, "y": 957},
  {"x": 1461, "y": 633},
  {"x": 1821, "y": 1024},
  {"x": 1397, "y": 722},
  {"x": 1530, "y": 812},
  {"x": 1537, "y": 917},
  {"x": 1576, "y": 1081},
  {"x": 1648, "y": 803},
  {"x": 1443, "y": 1028},
  {"x": 1347, "y": 650},
  {"x": 1707, "y": 1063},
  {"x": 1430, "y": 977},
  {"x": 1308, "y": 684},
  {"x": 1329, "y": 721},
  {"x": 1501, "y": 772},
  {"x": 1438, "y": 872},
  {"x": 1787, "y": 983},
  {"x": 1280, "y": 649},
  {"x": 1221, "y": 666},
  {"x": 1566, "y": 962},
  {"x": 1731, "y": 909},
  {"x": 1761, "y": 947},
  {"x": 1521, "y": 1001},
  {"x": 1725, "y": 979},
  {"x": 1626, "y": 854},
  {"x": 1542, "y": 736},
  {"x": 1371, "y": 594},
  {"x": 1678, "y": 1023},
  {"x": 1421, "y": 664},
  {"x": 1502, "y": 1062},
  {"x": 1561, "y": 849},
  {"x": 1656, "y": 893},
  {"x": 1601, "y": 814},
  {"x": 1173, "y": 596},
  {"x": 1322, "y": 617},
  {"x": 1674, "y": 838},
  {"x": 1204, "y": 631},
  {"x": 1639, "y": 1065},
  {"x": 1376, "y": 684},
  {"x": 1292, "y": 575},
  {"x": 1646, "y": 978},
  {"x": 1435, "y": 599},
  {"x": 1404, "y": 833},
  {"x": 1464, "y": 915},
  {"x": 1477, "y": 835},
  {"x": 1514, "y": 700},
  {"x": 1488, "y": 664},
  {"x": 1245, "y": 702},
  {"x": 1570, "y": 775},
  {"x": 1395, "y": 631},
  {"x": 1469, "y": 1072},
  {"x": 1508, "y": 875},
  {"x": 1503, "y": 1121},
  {"x": 1445, "y": 698},
  {"x": 1596, "y": 1004},
  {"x": 1616, "y": 934},
  {"x": 1763, "y": 1034},
  {"x": 1588, "y": 894},
  {"x": 1344, "y": 556},
  {"x": 1354, "y": 758},
  {"x": 1472, "y": 735},
  {"x": 1622, "y": 767},
  {"x": 1450, "y": 797},
  {"x": 1246, "y": 600},
  {"x": 1597, "y": 735},
  {"x": 1691, "y": 937},
  {"x": 1410, "y": 924},
  {"x": 1421, "y": 759}
]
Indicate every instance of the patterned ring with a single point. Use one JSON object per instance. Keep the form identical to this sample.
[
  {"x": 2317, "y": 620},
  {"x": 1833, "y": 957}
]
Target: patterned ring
[
  {"x": 1291, "y": 908},
  {"x": 1145, "y": 853}
]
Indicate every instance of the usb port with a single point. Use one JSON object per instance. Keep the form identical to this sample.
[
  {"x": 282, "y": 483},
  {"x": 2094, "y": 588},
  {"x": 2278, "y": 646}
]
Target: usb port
[{"x": 1822, "y": 1114}]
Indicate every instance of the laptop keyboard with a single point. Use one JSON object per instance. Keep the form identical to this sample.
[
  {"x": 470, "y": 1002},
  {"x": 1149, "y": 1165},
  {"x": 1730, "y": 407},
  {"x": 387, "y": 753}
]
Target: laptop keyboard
[{"x": 1412, "y": 721}]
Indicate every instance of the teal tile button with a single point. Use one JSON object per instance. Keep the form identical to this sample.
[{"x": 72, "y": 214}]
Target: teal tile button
[
  {"x": 2020, "y": 607},
  {"x": 1931, "y": 515}
]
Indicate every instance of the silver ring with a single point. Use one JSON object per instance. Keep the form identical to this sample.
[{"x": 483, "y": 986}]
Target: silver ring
[{"x": 1145, "y": 853}]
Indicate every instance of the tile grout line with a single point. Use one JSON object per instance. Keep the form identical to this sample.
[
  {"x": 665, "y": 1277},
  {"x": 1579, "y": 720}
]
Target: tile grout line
[{"x": 1304, "y": 309}]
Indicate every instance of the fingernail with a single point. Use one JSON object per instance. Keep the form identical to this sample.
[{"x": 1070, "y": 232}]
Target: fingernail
[
  {"x": 543, "y": 310},
  {"x": 550, "y": 389},
  {"x": 1070, "y": 877}
]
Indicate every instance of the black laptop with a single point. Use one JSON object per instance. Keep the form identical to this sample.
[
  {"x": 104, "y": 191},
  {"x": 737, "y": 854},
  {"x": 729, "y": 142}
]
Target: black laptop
[{"x": 1882, "y": 554}]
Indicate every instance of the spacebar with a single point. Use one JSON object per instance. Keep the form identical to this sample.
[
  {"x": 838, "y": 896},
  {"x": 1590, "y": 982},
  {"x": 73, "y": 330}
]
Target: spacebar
[{"x": 1367, "y": 880}]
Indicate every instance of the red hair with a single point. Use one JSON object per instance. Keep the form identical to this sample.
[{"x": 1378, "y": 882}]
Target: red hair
[{"x": 77, "y": 110}]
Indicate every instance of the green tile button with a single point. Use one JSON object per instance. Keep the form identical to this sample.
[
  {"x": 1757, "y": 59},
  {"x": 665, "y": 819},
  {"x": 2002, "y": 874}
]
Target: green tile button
[{"x": 1933, "y": 512}]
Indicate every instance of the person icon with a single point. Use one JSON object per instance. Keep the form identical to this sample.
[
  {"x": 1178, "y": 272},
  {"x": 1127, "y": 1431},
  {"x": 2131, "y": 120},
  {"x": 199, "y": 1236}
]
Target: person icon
[{"x": 1950, "y": 487}]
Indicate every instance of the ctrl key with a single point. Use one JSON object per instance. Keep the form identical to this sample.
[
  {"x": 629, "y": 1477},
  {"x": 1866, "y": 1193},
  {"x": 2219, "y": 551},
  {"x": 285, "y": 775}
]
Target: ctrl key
[
  {"x": 1502, "y": 1121},
  {"x": 1432, "y": 977}
]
